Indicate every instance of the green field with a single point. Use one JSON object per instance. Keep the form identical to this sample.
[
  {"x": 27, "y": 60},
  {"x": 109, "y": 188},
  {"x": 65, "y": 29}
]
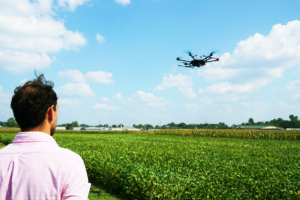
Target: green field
[
  {"x": 2, "y": 145},
  {"x": 176, "y": 167}
]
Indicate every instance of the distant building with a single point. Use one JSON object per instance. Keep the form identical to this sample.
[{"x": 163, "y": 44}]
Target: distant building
[
  {"x": 292, "y": 129},
  {"x": 153, "y": 129},
  {"x": 60, "y": 128},
  {"x": 75, "y": 128},
  {"x": 93, "y": 128},
  {"x": 234, "y": 126},
  {"x": 130, "y": 128},
  {"x": 257, "y": 127}
]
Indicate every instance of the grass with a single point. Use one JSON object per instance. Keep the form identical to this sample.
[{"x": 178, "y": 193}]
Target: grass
[
  {"x": 2, "y": 145},
  {"x": 96, "y": 193}
]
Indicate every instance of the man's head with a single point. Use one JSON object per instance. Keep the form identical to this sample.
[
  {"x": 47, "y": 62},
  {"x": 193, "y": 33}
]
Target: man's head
[{"x": 35, "y": 105}]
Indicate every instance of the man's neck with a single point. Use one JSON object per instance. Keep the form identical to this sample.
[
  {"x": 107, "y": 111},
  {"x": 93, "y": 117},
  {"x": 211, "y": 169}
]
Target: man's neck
[{"x": 43, "y": 129}]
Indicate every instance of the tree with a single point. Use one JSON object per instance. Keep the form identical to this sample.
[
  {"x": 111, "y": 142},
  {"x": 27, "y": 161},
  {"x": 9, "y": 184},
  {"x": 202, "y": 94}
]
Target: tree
[
  {"x": 75, "y": 124},
  {"x": 172, "y": 125},
  {"x": 251, "y": 121},
  {"x": 292, "y": 118},
  {"x": 11, "y": 122},
  {"x": 114, "y": 126},
  {"x": 120, "y": 125},
  {"x": 182, "y": 125}
]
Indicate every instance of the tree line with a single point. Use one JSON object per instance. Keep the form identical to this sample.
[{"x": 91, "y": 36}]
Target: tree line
[{"x": 294, "y": 122}]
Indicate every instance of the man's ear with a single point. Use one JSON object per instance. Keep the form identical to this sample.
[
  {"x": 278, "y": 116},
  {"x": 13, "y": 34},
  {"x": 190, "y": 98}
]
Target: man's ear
[{"x": 50, "y": 113}]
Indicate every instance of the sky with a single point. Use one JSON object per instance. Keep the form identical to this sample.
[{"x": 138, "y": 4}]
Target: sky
[{"x": 114, "y": 61}]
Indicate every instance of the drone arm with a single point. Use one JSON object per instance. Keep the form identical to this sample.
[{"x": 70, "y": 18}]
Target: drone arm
[
  {"x": 183, "y": 60},
  {"x": 216, "y": 59}
]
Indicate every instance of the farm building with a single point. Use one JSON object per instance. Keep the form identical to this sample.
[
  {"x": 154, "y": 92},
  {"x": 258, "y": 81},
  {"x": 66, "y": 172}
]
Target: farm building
[
  {"x": 257, "y": 127},
  {"x": 76, "y": 128},
  {"x": 60, "y": 128},
  {"x": 93, "y": 128},
  {"x": 130, "y": 128}
]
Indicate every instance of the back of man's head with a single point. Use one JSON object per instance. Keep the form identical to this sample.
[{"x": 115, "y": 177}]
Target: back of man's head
[{"x": 31, "y": 101}]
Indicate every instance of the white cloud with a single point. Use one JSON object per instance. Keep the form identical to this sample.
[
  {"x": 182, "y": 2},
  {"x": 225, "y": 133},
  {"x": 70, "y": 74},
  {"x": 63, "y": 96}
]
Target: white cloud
[
  {"x": 23, "y": 81},
  {"x": 98, "y": 106},
  {"x": 284, "y": 105},
  {"x": 294, "y": 85},
  {"x": 18, "y": 62},
  {"x": 200, "y": 90},
  {"x": 228, "y": 110},
  {"x": 187, "y": 92},
  {"x": 123, "y": 2},
  {"x": 206, "y": 100},
  {"x": 118, "y": 96},
  {"x": 256, "y": 59},
  {"x": 28, "y": 32},
  {"x": 105, "y": 99},
  {"x": 226, "y": 87},
  {"x": 74, "y": 75},
  {"x": 77, "y": 76},
  {"x": 175, "y": 81},
  {"x": 295, "y": 96},
  {"x": 158, "y": 88},
  {"x": 100, "y": 38},
  {"x": 100, "y": 77},
  {"x": 71, "y": 4},
  {"x": 183, "y": 82},
  {"x": 245, "y": 104},
  {"x": 69, "y": 102},
  {"x": 132, "y": 115},
  {"x": 146, "y": 99},
  {"x": 255, "y": 104},
  {"x": 75, "y": 89}
]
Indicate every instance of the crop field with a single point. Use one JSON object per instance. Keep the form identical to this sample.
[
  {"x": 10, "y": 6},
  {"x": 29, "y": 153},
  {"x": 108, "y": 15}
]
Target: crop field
[
  {"x": 225, "y": 133},
  {"x": 164, "y": 166}
]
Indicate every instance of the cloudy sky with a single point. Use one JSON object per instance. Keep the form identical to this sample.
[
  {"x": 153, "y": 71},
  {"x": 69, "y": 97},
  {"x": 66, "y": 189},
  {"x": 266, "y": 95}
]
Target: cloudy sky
[{"x": 115, "y": 60}]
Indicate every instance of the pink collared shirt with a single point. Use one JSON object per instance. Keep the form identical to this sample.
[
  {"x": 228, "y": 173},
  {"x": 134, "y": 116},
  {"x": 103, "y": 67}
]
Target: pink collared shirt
[{"x": 34, "y": 167}]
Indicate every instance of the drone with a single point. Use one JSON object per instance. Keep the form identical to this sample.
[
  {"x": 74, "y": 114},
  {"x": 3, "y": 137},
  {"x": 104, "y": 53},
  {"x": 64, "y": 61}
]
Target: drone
[{"x": 197, "y": 62}]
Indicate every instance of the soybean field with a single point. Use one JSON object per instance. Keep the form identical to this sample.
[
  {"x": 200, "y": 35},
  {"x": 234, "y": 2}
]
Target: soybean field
[{"x": 164, "y": 166}]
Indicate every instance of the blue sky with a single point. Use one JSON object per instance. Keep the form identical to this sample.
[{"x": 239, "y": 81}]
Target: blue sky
[{"x": 115, "y": 60}]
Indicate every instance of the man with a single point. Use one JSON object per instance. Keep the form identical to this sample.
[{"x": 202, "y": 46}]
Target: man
[{"x": 34, "y": 167}]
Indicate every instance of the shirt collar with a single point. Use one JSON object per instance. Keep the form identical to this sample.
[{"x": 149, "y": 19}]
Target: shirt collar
[{"x": 34, "y": 136}]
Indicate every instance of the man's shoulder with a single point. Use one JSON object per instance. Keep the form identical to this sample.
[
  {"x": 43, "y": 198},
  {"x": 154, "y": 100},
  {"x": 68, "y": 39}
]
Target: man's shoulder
[
  {"x": 41, "y": 148},
  {"x": 67, "y": 153}
]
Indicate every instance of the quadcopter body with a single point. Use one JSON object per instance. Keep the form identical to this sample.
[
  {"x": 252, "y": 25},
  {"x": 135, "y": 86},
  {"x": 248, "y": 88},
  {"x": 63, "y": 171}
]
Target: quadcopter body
[{"x": 197, "y": 62}]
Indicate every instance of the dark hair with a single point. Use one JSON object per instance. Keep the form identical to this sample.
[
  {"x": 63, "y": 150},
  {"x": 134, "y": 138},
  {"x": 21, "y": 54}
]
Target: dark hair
[{"x": 31, "y": 101}]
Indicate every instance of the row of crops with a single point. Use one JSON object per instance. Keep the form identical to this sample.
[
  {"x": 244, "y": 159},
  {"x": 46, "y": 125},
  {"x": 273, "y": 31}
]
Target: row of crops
[
  {"x": 168, "y": 167},
  {"x": 224, "y": 133}
]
